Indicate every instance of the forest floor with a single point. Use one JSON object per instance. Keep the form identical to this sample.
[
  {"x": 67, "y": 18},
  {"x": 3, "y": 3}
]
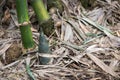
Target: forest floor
[{"x": 85, "y": 44}]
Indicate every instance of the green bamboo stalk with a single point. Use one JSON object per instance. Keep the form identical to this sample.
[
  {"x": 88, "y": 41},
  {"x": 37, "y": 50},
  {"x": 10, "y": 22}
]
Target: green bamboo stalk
[
  {"x": 40, "y": 10},
  {"x": 22, "y": 14},
  {"x": 43, "y": 18}
]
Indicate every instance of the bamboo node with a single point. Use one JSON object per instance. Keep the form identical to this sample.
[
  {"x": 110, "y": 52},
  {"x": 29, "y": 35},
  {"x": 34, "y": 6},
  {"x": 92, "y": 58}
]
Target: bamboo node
[{"x": 23, "y": 24}]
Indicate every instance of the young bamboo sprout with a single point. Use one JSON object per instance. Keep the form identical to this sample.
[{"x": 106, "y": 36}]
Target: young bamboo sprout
[
  {"x": 24, "y": 24},
  {"x": 43, "y": 47}
]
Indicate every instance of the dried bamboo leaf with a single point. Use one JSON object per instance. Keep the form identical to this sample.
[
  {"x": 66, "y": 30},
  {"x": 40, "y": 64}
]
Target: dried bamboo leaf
[
  {"x": 101, "y": 28},
  {"x": 101, "y": 64},
  {"x": 68, "y": 33},
  {"x": 75, "y": 26},
  {"x": 114, "y": 64}
]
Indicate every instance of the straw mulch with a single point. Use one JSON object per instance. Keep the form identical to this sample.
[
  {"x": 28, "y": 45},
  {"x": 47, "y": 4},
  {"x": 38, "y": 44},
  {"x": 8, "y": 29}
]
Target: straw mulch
[{"x": 85, "y": 44}]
